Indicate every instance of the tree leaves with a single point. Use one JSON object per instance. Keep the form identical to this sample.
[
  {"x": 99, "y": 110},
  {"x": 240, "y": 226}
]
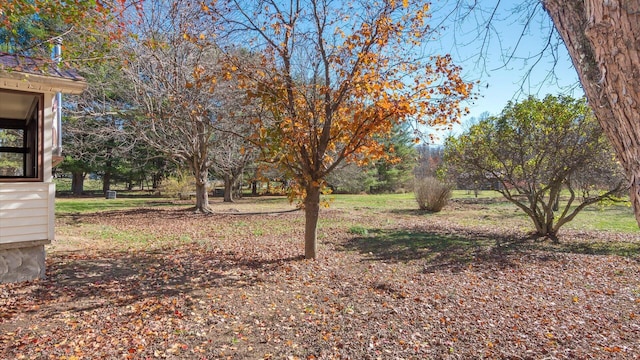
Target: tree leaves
[
  {"x": 536, "y": 149},
  {"x": 86, "y": 26},
  {"x": 332, "y": 95}
]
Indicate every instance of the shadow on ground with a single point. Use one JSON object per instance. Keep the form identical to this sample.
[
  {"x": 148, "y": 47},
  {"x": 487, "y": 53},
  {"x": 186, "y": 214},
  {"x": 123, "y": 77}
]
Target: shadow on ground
[
  {"x": 455, "y": 249},
  {"x": 77, "y": 218},
  {"x": 442, "y": 251},
  {"x": 88, "y": 282}
]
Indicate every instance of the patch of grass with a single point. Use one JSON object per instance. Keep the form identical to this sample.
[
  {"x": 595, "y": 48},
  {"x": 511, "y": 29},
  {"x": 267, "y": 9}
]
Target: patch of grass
[
  {"x": 358, "y": 230},
  {"x": 88, "y": 205},
  {"x": 111, "y": 237},
  {"x": 615, "y": 217},
  {"x": 63, "y": 185},
  {"x": 119, "y": 237},
  {"x": 258, "y": 232},
  {"x": 273, "y": 227},
  {"x": 372, "y": 202},
  {"x": 488, "y": 210},
  {"x": 482, "y": 195},
  {"x": 500, "y": 213}
]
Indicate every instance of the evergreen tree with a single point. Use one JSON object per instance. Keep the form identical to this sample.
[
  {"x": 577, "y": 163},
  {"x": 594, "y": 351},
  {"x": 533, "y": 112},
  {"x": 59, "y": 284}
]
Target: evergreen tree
[{"x": 396, "y": 172}]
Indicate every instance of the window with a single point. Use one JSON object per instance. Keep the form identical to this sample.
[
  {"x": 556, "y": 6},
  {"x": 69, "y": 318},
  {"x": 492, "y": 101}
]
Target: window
[{"x": 20, "y": 135}]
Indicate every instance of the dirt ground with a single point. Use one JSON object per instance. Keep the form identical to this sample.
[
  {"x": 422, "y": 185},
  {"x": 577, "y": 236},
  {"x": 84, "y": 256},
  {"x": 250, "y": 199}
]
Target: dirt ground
[{"x": 167, "y": 283}]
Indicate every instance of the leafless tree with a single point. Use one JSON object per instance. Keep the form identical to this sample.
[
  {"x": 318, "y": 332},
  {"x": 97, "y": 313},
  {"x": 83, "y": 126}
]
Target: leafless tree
[
  {"x": 180, "y": 87},
  {"x": 233, "y": 152}
]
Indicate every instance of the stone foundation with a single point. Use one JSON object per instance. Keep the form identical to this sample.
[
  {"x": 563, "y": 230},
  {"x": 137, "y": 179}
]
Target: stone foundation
[{"x": 21, "y": 264}]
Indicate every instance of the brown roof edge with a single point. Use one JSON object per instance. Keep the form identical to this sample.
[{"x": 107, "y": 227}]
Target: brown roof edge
[{"x": 35, "y": 66}]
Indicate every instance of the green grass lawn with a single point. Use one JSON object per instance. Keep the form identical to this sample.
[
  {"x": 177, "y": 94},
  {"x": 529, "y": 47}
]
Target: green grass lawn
[
  {"x": 615, "y": 217},
  {"x": 95, "y": 204},
  {"x": 489, "y": 209}
]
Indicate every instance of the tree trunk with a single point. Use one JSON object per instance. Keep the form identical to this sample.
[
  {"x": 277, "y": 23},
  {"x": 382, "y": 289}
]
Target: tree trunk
[
  {"x": 238, "y": 179},
  {"x": 544, "y": 228},
  {"x": 254, "y": 188},
  {"x": 106, "y": 181},
  {"x": 237, "y": 189},
  {"x": 156, "y": 178},
  {"x": 311, "y": 214},
  {"x": 106, "y": 178},
  {"x": 603, "y": 40},
  {"x": 202, "y": 197},
  {"x": 228, "y": 187},
  {"x": 77, "y": 182}
]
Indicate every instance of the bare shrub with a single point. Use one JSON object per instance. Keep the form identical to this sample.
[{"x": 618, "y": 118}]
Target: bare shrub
[
  {"x": 431, "y": 194},
  {"x": 179, "y": 185}
]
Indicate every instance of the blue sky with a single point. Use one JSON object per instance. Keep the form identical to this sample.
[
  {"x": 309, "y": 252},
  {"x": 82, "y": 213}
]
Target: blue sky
[{"x": 510, "y": 52}]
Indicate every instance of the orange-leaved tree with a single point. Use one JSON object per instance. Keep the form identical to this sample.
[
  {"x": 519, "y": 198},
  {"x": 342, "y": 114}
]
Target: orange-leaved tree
[
  {"x": 336, "y": 77},
  {"x": 87, "y": 26}
]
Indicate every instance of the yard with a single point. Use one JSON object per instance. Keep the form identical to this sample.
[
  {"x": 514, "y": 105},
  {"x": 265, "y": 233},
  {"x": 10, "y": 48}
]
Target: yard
[{"x": 146, "y": 278}]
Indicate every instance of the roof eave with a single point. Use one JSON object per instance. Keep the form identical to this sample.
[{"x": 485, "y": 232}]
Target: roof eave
[{"x": 40, "y": 83}]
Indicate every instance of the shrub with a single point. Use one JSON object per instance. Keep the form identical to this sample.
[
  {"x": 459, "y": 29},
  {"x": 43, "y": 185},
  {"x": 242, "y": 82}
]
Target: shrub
[
  {"x": 537, "y": 150},
  {"x": 431, "y": 194},
  {"x": 178, "y": 185}
]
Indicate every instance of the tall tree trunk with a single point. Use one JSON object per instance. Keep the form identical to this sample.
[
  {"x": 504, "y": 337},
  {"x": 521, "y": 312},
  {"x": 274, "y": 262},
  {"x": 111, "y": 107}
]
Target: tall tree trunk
[
  {"x": 236, "y": 185},
  {"x": 603, "y": 40},
  {"x": 202, "y": 197},
  {"x": 155, "y": 180},
  {"x": 311, "y": 214},
  {"x": 228, "y": 187},
  {"x": 77, "y": 182},
  {"x": 106, "y": 181},
  {"x": 237, "y": 189}
]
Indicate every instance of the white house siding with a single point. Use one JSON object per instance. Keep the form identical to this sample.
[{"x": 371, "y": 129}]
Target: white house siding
[
  {"x": 27, "y": 208},
  {"x": 49, "y": 119},
  {"x": 26, "y": 212}
]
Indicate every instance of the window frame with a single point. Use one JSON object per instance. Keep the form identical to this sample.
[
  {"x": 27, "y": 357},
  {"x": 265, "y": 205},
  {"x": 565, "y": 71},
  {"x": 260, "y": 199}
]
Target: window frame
[{"x": 36, "y": 112}]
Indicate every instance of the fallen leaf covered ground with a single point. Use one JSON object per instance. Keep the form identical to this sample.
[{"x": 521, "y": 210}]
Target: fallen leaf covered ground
[{"x": 167, "y": 283}]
